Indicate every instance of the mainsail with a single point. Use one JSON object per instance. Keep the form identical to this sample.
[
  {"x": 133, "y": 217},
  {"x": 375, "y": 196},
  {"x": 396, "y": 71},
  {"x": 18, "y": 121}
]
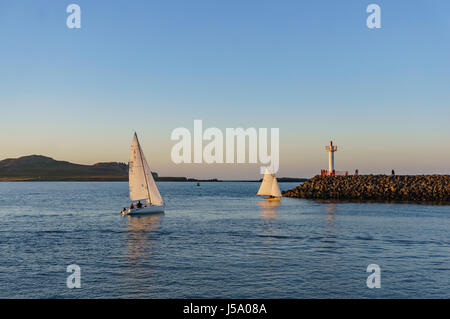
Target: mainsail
[
  {"x": 140, "y": 180},
  {"x": 269, "y": 185}
]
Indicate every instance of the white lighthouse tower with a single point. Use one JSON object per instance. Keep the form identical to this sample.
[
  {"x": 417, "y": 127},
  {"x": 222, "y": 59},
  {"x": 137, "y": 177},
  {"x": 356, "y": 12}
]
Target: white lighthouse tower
[{"x": 331, "y": 149}]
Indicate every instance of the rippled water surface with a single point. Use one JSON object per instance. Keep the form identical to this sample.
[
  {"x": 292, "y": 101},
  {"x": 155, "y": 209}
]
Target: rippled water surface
[{"x": 216, "y": 240}]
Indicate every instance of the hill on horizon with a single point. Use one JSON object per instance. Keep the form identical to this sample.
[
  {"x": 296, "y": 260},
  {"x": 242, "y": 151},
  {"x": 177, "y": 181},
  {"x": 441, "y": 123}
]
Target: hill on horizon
[{"x": 43, "y": 168}]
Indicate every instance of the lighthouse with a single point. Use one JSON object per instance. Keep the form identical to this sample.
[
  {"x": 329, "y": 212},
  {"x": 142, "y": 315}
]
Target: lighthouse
[{"x": 331, "y": 149}]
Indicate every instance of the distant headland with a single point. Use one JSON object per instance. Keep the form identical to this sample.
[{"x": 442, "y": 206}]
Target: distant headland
[
  {"x": 408, "y": 188},
  {"x": 43, "y": 168}
]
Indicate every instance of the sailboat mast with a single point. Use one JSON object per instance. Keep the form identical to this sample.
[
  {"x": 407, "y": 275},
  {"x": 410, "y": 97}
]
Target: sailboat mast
[{"x": 143, "y": 167}]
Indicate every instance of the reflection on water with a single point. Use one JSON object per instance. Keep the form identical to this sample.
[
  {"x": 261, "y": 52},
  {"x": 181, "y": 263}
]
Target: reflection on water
[
  {"x": 269, "y": 214},
  {"x": 330, "y": 208},
  {"x": 139, "y": 240},
  {"x": 269, "y": 209},
  {"x": 330, "y": 230}
]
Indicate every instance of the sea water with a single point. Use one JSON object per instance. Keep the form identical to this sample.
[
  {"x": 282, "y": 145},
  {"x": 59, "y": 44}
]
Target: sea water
[{"x": 216, "y": 240}]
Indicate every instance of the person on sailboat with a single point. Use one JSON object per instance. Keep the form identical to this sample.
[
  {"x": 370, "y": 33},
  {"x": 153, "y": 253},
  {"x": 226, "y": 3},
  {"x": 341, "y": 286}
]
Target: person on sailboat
[
  {"x": 139, "y": 205},
  {"x": 131, "y": 206}
]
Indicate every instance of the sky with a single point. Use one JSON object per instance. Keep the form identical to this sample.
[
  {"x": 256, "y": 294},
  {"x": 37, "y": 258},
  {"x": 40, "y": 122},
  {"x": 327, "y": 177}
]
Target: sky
[{"x": 313, "y": 69}]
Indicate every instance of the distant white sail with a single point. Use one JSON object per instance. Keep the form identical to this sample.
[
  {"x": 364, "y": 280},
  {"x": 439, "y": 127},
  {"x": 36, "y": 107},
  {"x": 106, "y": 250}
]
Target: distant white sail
[
  {"x": 269, "y": 185},
  {"x": 141, "y": 183},
  {"x": 275, "y": 189}
]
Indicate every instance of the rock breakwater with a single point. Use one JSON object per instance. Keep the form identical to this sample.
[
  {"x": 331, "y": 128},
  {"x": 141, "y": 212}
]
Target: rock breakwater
[{"x": 423, "y": 188}]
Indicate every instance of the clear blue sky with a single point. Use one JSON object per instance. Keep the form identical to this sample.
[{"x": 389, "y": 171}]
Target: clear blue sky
[{"x": 311, "y": 68}]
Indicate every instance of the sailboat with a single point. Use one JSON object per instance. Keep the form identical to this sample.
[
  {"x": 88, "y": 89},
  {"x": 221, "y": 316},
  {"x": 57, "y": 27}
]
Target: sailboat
[
  {"x": 141, "y": 183},
  {"x": 269, "y": 187}
]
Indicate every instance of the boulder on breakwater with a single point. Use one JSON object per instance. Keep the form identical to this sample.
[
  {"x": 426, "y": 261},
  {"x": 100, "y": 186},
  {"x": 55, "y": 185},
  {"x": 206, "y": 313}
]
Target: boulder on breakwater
[{"x": 422, "y": 188}]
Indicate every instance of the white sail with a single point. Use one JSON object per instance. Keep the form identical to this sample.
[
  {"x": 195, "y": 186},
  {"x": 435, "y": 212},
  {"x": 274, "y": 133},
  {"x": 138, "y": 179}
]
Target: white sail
[
  {"x": 275, "y": 189},
  {"x": 155, "y": 196},
  {"x": 266, "y": 186},
  {"x": 141, "y": 183},
  {"x": 136, "y": 176}
]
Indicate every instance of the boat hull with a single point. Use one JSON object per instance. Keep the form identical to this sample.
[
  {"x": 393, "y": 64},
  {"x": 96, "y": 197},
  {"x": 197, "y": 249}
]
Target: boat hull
[
  {"x": 273, "y": 199},
  {"x": 146, "y": 210}
]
